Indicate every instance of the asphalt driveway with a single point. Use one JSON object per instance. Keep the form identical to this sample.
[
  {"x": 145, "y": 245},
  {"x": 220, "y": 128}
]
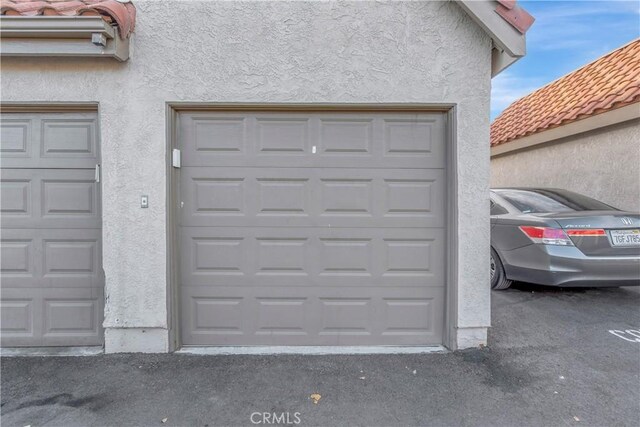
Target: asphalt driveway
[{"x": 552, "y": 360}]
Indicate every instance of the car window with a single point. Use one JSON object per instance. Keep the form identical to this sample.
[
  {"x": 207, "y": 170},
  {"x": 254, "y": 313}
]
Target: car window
[
  {"x": 545, "y": 201},
  {"x": 497, "y": 209}
]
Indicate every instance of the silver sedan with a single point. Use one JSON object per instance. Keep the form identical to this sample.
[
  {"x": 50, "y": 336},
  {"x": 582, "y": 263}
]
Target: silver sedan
[{"x": 560, "y": 238}]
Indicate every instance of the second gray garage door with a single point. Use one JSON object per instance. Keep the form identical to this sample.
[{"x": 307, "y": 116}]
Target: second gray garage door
[
  {"x": 312, "y": 228},
  {"x": 51, "y": 268}
]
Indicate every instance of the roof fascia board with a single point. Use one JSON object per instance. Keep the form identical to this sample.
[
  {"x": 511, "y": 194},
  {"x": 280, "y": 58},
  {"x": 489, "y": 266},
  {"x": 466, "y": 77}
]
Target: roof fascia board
[
  {"x": 54, "y": 26},
  {"x": 61, "y": 36},
  {"x": 619, "y": 115},
  {"x": 504, "y": 36}
]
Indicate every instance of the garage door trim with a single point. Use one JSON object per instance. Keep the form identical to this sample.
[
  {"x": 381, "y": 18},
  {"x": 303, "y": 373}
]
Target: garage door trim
[
  {"x": 50, "y": 107},
  {"x": 173, "y": 244}
]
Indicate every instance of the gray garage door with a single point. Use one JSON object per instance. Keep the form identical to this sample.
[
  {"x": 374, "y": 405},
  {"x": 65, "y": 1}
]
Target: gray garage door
[
  {"x": 51, "y": 265},
  {"x": 312, "y": 228}
]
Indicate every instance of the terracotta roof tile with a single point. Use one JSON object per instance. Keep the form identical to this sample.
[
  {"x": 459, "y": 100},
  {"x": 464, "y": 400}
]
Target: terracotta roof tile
[
  {"x": 509, "y": 4},
  {"x": 516, "y": 16},
  {"x": 122, "y": 12},
  {"x": 610, "y": 82}
]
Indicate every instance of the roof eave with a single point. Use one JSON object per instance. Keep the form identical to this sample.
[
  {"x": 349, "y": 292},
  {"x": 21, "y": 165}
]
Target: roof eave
[
  {"x": 46, "y": 36},
  {"x": 509, "y": 44},
  {"x": 500, "y": 60}
]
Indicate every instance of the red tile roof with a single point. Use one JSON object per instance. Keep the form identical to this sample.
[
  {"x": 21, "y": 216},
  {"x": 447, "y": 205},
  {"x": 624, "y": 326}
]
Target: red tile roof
[
  {"x": 120, "y": 12},
  {"x": 610, "y": 82}
]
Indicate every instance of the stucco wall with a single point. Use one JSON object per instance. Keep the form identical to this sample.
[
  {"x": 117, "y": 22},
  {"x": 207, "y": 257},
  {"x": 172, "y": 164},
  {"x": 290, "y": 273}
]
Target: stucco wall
[
  {"x": 361, "y": 52},
  {"x": 602, "y": 164}
]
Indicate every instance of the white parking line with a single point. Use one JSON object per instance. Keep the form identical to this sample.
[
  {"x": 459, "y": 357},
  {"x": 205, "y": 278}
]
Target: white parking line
[{"x": 633, "y": 335}]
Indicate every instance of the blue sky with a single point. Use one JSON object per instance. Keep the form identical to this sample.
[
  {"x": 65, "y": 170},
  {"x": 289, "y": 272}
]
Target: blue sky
[{"x": 565, "y": 36}]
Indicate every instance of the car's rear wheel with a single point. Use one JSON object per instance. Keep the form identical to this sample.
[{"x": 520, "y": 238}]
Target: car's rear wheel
[{"x": 499, "y": 280}]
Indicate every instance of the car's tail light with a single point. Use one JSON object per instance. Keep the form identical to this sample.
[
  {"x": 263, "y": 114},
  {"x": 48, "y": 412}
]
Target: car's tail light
[
  {"x": 546, "y": 235},
  {"x": 590, "y": 232}
]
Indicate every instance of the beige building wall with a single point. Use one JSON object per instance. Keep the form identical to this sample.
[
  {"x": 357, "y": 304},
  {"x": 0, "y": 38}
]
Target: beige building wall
[{"x": 603, "y": 164}]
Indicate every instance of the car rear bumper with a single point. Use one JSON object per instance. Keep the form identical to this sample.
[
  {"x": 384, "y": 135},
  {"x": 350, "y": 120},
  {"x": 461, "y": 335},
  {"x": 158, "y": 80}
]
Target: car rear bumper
[{"x": 567, "y": 266}]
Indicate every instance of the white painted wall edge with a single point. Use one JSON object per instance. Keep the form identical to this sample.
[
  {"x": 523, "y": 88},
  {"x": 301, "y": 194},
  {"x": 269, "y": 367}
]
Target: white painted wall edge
[
  {"x": 473, "y": 337},
  {"x": 609, "y": 118},
  {"x": 136, "y": 340},
  {"x": 309, "y": 350}
]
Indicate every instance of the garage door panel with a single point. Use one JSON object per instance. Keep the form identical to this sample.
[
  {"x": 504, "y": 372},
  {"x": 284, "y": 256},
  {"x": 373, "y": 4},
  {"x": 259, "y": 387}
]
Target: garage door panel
[
  {"x": 51, "y": 316},
  {"x": 16, "y": 193},
  {"x": 71, "y": 261},
  {"x": 67, "y": 138},
  {"x": 279, "y": 135},
  {"x": 223, "y": 135},
  {"x": 252, "y": 256},
  {"x": 419, "y": 137},
  {"x": 316, "y": 316},
  {"x": 74, "y": 315},
  {"x": 36, "y": 258},
  {"x": 313, "y": 197},
  {"x": 15, "y": 138},
  {"x": 49, "y": 198},
  {"x": 52, "y": 140},
  {"x": 18, "y": 318},
  {"x": 351, "y": 136},
  {"x": 18, "y": 256},
  {"x": 350, "y": 140}
]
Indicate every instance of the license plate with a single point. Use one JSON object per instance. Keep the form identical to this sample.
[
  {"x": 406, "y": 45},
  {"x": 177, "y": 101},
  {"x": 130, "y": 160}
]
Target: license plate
[{"x": 625, "y": 237}]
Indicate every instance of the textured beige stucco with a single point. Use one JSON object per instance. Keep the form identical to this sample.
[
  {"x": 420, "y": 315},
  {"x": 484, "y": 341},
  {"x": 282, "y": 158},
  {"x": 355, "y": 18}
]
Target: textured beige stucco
[
  {"x": 268, "y": 52},
  {"x": 602, "y": 164}
]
